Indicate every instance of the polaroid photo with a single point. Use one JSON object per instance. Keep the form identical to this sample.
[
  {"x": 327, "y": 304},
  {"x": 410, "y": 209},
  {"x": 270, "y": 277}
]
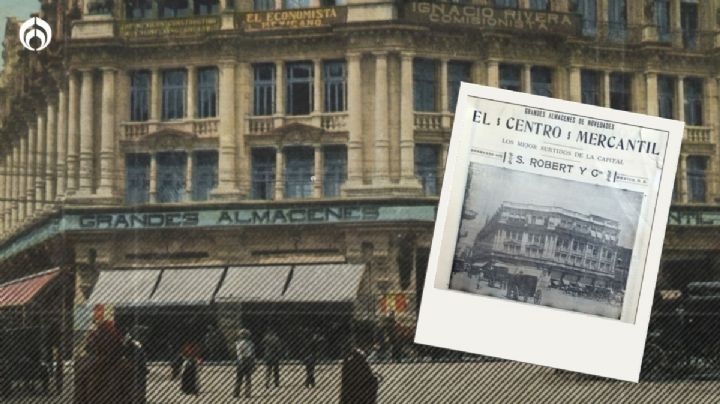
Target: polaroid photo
[{"x": 549, "y": 232}]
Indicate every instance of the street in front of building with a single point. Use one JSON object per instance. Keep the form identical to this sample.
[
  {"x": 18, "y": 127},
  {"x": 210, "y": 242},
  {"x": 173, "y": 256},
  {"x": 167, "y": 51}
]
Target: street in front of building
[{"x": 463, "y": 382}]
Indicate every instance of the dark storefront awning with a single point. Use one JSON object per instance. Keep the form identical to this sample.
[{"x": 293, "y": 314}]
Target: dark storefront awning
[
  {"x": 187, "y": 287},
  {"x": 128, "y": 287},
  {"x": 324, "y": 283},
  {"x": 254, "y": 284},
  {"x": 21, "y": 291}
]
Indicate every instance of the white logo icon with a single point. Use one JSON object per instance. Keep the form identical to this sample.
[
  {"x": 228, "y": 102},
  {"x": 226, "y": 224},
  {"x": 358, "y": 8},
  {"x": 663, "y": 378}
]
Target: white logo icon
[{"x": 35, "y": 28}]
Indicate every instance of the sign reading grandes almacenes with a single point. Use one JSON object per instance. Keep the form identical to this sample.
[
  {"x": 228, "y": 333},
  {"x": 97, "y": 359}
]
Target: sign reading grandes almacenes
[
  {"x": 234, "y": 217},
  {"x": 292, "y": 19},
  {"x": 492, "y": 18}
]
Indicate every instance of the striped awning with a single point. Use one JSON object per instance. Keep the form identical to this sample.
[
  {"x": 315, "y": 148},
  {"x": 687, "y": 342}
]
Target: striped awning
[
  {"x": 324, "y": 283},
  {"x": 187, "y": 287},
  {"x": 124, "y": 287},
  {"x": 254, "y": 284}
]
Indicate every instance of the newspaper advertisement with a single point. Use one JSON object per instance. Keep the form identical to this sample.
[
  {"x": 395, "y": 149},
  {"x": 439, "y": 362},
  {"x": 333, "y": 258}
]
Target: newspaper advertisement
[{"x": 550, "y": 210}]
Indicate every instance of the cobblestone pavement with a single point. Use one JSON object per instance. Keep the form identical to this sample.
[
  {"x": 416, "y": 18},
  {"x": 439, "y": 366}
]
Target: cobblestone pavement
[{"x": 468, "y": 382}]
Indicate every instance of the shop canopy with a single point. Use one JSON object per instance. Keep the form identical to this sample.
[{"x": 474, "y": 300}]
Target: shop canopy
[
  {"x": 21, "y": 291},
  {"x": 124, "y": 287},
  {"x": 254, "y": 284},
  {"x": 187, "y": 286},
  {"x": 324, "y": 283}
]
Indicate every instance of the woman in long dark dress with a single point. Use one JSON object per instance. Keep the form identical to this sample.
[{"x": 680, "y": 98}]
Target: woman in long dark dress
[{"x": 189, "y": 383}]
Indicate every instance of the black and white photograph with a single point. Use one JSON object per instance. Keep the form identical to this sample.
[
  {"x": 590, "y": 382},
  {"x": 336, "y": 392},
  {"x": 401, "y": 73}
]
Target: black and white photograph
[{"x": 542, "y": 240}]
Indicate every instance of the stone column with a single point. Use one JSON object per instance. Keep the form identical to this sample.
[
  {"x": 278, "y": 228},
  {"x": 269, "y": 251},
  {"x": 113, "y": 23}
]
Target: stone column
[
  {"x": 86, "y": 134},
  {"x": 680, "y": 98},
  {"x": 479, "y": 75},
  {"x": 279, "y": 93},
  {"x": 526, "y": 79},
  {"x": 22, "y": 175},
  {"x": 40, "y": 159},
  {"x": 675, "y": 23},
  {"x": 651, "y": 90},
  {"x": 493, "y": 73},
  {"x": 575, "y": 78},
  {"x": 355, "y": 108},
  {"x": 443, "y": 85},
  {"x": 155, "y": 95},
  {"x": 62, "y": 142},
  {"x": 606, "y": 89},
  {"x": 51, "y": 153},
  {"x": 191, "y": 92},
  {"x": 243, "y": 163},
  {"x": 8, "y": 173},
  {"x": 30, "y": 171},
  {"x": 15, "y": 184},
  {"x": 107, "y": 133},
  {"x": 189, "y": 175},
  {"x": 152, "y": 192},
  {"x": 407, "y": 126},
  {"x": 73, "y": 134},
  {"x": 279, "y": 174},
  {"x": 682, "y": 193},
  {"x": 317, "y": 86},
  {"x": 227, "y": 185},
  {"x": 3, "y": 195},
  {"x": 318, "y": 175},
  {"x": 382, "y": 142}
]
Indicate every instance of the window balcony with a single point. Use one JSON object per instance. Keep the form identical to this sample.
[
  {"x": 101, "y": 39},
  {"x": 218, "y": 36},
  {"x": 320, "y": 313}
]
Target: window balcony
[
  {"x": 698, "y": 135},
  {"x": 203, "y": 128},
  {"x": 432, "y": 121},
  {"x": 329, "y": 121}
]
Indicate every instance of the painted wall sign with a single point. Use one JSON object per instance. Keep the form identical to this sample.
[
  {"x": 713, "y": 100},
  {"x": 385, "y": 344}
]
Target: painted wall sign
[
  {"x": 168, "y": 27},
  {"x": 492, "y": 18},
  {"x": 292, "y": 19}
]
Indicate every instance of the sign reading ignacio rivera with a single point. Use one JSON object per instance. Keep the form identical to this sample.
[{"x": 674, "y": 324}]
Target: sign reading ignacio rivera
[{"x": 491, "y": 18}]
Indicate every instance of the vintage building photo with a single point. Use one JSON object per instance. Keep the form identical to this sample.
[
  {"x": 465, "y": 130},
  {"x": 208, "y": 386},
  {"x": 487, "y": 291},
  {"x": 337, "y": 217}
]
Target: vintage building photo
[{"x": 544, "y": 240}]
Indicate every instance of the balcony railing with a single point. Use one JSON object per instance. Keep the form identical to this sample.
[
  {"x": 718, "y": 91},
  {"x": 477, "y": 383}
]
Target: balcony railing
[
  {"x": 330, "y": 121},
  {"x": 203, "y": 128},
  {"x": 698, "y": 135},
  {"x": 429, "y": 121}
]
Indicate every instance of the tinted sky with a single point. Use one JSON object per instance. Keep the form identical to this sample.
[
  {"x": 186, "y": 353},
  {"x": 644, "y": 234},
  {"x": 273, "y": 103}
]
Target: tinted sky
[{"x": 15, "y": 8}]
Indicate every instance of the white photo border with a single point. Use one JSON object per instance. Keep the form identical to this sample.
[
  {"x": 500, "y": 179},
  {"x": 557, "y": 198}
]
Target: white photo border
[{"x": 535, "y": 334}]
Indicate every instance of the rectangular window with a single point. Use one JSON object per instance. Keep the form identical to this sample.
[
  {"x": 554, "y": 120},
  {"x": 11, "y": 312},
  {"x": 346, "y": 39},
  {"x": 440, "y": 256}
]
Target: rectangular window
[
  {"x": 173, "y": 8},
  {"x": 335, "y": 79},
  {"x": 296, "y": 3},
  {"x": 425, "y": 85},
  {"x": 261, "y": 5},
  {"x": 426, "y": 167},
  {"x": 207, "y": 86},
  {"x": 505, "y": 3},
  {"x": 171, "y": 167},
  {"x": 299, "y": 170},
  {"x": 139, "y": 95},
  {"x": 457, "y": 73},
  {"x": 264, "y": 89},
  {"x": 541, "y": 81},
  {"x": 510, "y": 77},
  {"x": 334, "y": 170},
  {"x": 662, "y": 19},
  {"x": 617, "y": 20},
  {"x": 666, "y": 96},
  {"x": 588, "y": 11},
  {"x": 137, "y": 178},
  {"x": 539, "y": 5},
  {"x": 689, "y": 24},
  {"x": 590, "y": 85},
  {"x": 299, "y": 90},
  {"x": 263, "y": 174},
  {"x": 204, "y": 174},
  {"x": 173, "y": 94},
  {"x": 138, "y": 9},
  {"x": 692, "y": 87},
  {"x": 206, "y": 7},
  {"x": 620, "y": 91}
]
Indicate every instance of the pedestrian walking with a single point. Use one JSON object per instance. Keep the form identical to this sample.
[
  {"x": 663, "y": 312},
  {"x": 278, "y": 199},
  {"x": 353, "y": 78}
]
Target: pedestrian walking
[
  {"x": 58, "y": 369},
  {"x": 313, "y": 345},
  {"x": 135, "y": 352},
  {"x": 273, "y": 351},
  {"x": 245, "y": 365},
  {"x": 358, "y": 384},
  {"x": 189, "y": 378}
]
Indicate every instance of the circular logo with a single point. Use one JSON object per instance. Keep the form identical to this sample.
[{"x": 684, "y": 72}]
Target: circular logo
[{"x": 38, "y": 29}]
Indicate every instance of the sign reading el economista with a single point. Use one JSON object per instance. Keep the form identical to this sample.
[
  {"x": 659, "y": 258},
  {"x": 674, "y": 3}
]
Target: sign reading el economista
[{"x": 551, "y": 222}]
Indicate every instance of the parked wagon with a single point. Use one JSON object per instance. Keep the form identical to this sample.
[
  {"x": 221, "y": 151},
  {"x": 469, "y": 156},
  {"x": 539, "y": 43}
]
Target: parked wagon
[{"x": 523, "y": 287}]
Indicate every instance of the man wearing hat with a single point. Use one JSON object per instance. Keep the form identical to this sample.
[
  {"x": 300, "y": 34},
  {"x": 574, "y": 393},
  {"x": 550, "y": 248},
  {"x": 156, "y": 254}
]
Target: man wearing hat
[{"x": 245, "y": 351}]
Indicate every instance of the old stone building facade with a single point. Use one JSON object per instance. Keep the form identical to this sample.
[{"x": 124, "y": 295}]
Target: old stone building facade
[{"x": 216, "y": 133}]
